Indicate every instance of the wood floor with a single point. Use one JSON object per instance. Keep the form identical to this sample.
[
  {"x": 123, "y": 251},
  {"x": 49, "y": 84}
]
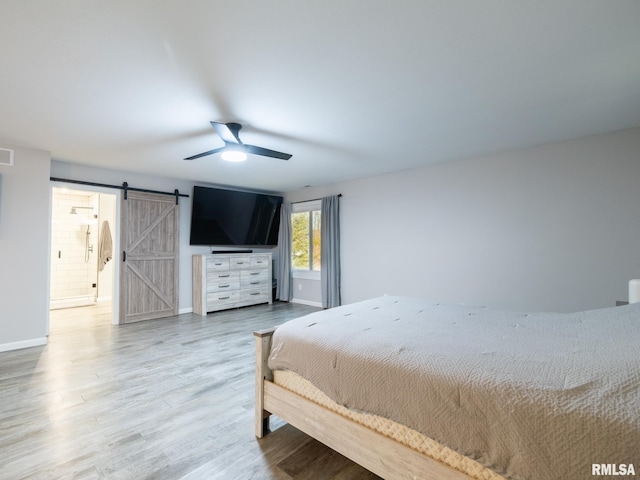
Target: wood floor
[{"x": 162, "y": 399}]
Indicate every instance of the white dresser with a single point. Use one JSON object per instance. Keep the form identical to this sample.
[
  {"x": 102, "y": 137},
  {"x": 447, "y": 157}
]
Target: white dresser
[{"x": 222, "y": 281}]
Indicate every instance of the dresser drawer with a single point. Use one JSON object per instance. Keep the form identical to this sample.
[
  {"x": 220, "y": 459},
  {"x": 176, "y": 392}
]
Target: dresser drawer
[
  {"x": 222, "y": 276},
  {"x": 257, "y": 295},
  {"x": 214, "y": 264},
  {"x": 218, "y": 299},
  {"x": 240, "y": 262},
  {"x": 260, "y": 261},
  {"x": 223, "y": 286},
  {"x": 253, "y": 278}
]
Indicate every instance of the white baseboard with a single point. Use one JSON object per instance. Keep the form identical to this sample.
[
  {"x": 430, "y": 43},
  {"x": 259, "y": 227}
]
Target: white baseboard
[
  {"x": 307, "y": 302},
  {"x": 33, "y": 342},
  {"x": 185, "y": 310}
]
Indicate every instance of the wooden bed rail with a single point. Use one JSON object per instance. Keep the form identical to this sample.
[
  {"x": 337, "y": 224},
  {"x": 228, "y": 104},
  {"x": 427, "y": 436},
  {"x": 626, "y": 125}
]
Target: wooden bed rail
[{"x": 263, "y": 372}]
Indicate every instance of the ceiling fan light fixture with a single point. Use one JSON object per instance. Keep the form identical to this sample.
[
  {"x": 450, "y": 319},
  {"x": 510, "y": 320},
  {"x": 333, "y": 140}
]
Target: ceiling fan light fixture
[
  {"x": 234, "y": 155},
  {"x": 234, "y": 150}
]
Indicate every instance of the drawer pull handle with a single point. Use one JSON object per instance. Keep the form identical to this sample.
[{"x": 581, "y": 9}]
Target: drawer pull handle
[
  {"x": 217, "y": 264},
  {"x": 255, "y": 293},
  {"x": 223, "y": 286},
  {"x": 254, "y": 283},
  {"x": 255, "y": 273},
  {"x": 240, "y": 263},
  {"x": 223, "y": 298},
  {"x": 224, "y": 276}
]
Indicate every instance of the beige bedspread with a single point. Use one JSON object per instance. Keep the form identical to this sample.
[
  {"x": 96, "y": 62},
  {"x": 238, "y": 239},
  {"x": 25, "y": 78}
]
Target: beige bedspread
[{"x": 532, "y": 396}]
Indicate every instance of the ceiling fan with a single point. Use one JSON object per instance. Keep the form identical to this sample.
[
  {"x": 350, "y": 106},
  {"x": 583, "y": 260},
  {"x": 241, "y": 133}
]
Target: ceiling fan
[{"x": 234, "y": 149}]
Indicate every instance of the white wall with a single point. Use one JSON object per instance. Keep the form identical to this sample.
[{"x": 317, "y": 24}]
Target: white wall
[
  {"x": 307, "y": 291},
  {"x": 548, "y": 228},
  {"x": 24, "y": 249},
  {"x": 106, "y": 275}
]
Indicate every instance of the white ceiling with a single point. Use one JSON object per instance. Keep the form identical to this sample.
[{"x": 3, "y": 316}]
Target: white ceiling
[{"x": 351, "y": 88}]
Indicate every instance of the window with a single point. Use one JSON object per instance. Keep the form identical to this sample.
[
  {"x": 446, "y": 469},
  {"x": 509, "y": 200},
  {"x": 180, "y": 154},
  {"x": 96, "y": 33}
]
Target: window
[{"x": 305, "y": 236}]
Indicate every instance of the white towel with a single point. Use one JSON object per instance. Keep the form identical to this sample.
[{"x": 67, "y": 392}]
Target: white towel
[{"x": 105, "y": 245}]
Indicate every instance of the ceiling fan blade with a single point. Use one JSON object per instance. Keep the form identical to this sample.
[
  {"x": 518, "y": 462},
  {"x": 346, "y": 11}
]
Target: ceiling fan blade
[
  {"x": 204, "y": 154},
  {"x": 228, "y": 132},
  {"x": 265, "y": 152}
]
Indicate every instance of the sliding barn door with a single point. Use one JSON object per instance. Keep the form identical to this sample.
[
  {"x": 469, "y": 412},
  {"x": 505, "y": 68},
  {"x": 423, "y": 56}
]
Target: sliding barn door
[{"x": 149, "y": 241}]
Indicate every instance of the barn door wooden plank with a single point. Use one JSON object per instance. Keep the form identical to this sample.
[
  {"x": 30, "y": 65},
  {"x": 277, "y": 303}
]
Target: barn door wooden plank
[{"x": 149, "y": 274}]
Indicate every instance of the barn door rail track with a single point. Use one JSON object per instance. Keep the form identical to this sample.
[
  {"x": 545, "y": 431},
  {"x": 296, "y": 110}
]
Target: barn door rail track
[{"x": 125, "y": 186}]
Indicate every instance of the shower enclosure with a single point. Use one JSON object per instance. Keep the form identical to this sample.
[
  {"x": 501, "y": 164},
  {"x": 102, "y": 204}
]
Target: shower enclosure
[{"x": 74, "y": 244}]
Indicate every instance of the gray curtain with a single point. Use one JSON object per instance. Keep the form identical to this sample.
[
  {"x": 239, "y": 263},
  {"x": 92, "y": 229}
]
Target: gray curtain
[
  {"x": 330, "y": 251},
  {"x": 284, "y": 288}
]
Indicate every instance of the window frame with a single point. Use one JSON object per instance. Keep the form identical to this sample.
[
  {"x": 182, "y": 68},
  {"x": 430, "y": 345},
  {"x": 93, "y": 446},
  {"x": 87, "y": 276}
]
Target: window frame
[{"x": 300, "y": 207}]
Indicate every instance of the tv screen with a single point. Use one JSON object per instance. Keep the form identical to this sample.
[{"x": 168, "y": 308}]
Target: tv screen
[{"x": 231, "y": 218}]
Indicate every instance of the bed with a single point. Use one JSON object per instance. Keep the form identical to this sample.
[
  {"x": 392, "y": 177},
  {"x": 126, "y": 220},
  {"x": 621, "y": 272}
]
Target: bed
[{"x": 410, "y": 388}]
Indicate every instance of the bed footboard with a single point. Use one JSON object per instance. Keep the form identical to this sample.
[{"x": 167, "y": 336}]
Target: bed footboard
[{"x": 263, "y": 346}]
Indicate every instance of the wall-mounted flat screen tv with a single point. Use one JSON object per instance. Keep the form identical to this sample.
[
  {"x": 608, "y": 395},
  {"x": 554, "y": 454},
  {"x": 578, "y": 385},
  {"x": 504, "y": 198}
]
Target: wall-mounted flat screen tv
[{"x": 232, "y": 218}]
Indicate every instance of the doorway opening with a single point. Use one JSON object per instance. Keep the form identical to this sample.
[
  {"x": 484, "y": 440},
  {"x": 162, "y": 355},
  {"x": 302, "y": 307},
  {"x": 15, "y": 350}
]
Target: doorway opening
[{"x": 83, "y": 246}]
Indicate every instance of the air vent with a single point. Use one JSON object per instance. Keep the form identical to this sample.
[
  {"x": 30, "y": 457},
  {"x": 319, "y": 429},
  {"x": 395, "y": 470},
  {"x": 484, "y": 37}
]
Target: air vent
[{"x": 6, "y": 157}]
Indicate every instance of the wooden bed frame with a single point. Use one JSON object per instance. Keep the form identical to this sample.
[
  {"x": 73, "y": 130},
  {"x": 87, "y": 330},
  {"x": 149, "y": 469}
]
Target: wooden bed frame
[{"x": 375, "y": 452}]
